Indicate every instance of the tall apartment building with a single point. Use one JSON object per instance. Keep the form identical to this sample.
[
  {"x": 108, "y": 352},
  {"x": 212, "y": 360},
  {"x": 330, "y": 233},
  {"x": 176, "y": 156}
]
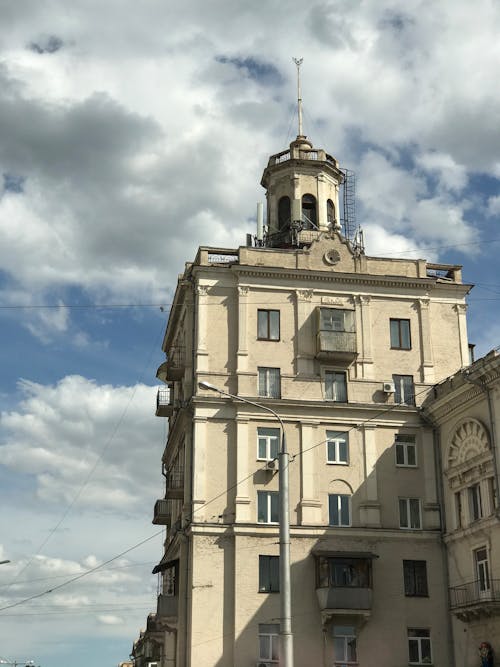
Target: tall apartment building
[{"x": 345, "y": 348}]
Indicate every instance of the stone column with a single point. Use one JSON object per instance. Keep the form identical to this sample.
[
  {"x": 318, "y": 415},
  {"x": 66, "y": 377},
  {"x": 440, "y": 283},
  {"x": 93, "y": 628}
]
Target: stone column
[
  {"x": 242, "y": 501},
  {"x": 426, "y": 343},
  {"x": 305, "y": 335},
  {"x": 369, "y": 507},
  {"x": 310, "y": 505},
  {"x": 321, "y": 204}
]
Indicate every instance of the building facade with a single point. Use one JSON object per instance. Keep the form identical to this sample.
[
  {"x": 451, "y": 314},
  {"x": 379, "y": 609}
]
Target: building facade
[
  {"x": 465, "y": 410},
  {"x": 345, "y": 348}
]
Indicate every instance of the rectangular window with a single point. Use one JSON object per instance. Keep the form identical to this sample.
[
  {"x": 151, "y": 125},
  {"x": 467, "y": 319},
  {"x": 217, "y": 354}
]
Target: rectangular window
[
  {"x": 343, "y": 572},
  {"x": 268, "y": 324},
  {"x": 344, "y": 645},
  {"x": 339, "y": 506},
  {"x": 400, "y": 334},
  {"x": 267, "y": 507},
  {"x": 419, "y": 646},
  {"x": 415, "y": 578},
  {"x": 269, "y": 642},
  {"x": 404, "y": 389},
  {"x": 492, "y": 495},
  {"x": 458, "y": 510},
  {"x": 269, "y": 382},
  {"x": 336, "y": 386},
  {"x": 337, "y": 447},
  {"x": 335, "y": 319},
  {"x": 409, "y": 513},
  {"x": 482, "y": 570},
  {"x": 406, "y": 450},
  {"x": 268, "y": 443},
  {"x": 269, "y": 574},
  {"x": 169, "y": 581},
  {"x": 475, "y": 504}
]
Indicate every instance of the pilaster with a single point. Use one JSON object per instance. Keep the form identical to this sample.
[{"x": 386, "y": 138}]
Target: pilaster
[
  {"x": 310, "y": 506},
  {"x": 242, "y": 353},
  {"x": 242, "y": 501},
  {"x": 304, "y": 333},
  {"x": 461, "y": 310},
  {"x": 201, "y": 328},
  {"x": 426, "y": 342},
  {"x": 369, "y": 508},
  {"x": 363, "y": 321},
  {"x": 199, "y": 455}
]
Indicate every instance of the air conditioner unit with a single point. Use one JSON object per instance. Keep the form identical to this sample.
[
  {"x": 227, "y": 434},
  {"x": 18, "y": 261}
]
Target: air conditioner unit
[
  {"x": 272, "y": 465},
  {"x": 389, "y": 388}
]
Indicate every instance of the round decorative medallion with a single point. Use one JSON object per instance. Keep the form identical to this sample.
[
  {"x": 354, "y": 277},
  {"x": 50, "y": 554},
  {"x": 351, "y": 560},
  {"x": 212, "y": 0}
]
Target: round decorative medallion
[
  {"x": 469, "y": 440},
  {"x": 331, "y": 256}
]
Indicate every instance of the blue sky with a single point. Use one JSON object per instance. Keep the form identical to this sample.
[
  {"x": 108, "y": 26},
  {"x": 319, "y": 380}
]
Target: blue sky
[{"x": 131, "y": 133}]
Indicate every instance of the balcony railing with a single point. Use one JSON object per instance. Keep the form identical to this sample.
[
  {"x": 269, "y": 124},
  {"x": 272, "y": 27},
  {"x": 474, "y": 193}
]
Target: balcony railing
[
  {"x": 176, "y": 363},
  {"x": 162, "y": 513},
  {"x": 336, "y": 344},
  {"x": 348, "y": 598},
  {"x": 175, "y": 484},
  {"x": 475, "y": 593},
  {"x": 168, "y": 606},
  {"x": 164, "y": 403}
]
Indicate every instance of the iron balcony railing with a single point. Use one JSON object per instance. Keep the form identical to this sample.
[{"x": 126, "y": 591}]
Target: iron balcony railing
[
  {"x": 163, "y": 397},
  {"x": 474, "y": 593}
]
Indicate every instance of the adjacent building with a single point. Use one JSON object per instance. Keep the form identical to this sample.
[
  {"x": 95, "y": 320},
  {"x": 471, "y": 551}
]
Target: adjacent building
[{"x": 346, "y": 348}]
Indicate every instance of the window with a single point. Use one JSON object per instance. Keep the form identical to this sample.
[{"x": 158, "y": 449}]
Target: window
[
  {"x": 492, "y": 494},
  {"x": 344, "y": 645},
  {"x": 400, "y": 334},
  {"x": 343, "y": 572},
  {"x": 335, "y": 319},
  {"x": 415, "y": 578},
  {"x": 406, "y": 451},
  {"x": 458, "y": 510},
  {"x": 268, "y": 324},
  {"x": 269, "y": 574},
  {"x": 269, "y": 642},
  {"x": 267, "y": 507},
  {"x": 330, "y": 212},
  {"x": 475, "y": 504},
  {"x": 339, "y": 509},
  {"x": 409, "y": 513},
  {"x": 309, "y": 219},
  {"x": 268, "y": 443},
  {"x": 482, "y": 570},
  {"x": 269, "y": 382},
  {"x": 419, "y": 646},
  {"x": 336, "y": 386},
  {"x": 337, "y": 447},
  {"x": 284, "y": 213},
  {"x": 169, "y": 581},
  {"x": 405, "y": 391}
]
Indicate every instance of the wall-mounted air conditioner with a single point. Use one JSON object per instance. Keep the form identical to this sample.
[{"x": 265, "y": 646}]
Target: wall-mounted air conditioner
[{"x": 389, "y": 388}]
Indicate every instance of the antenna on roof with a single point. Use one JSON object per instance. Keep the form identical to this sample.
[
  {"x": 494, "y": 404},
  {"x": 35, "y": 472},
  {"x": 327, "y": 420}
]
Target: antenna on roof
[{"x": 298, "y": 62}]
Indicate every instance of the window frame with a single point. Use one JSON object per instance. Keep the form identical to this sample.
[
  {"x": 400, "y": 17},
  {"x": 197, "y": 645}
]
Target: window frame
[
  {"x": 398, "y": 321},
  {"x": 482, "y": 570},
  {"x": 336, "y": 634},
  {"x": 272, "y": 433},
  {"x": 264, "y": 372},
  {"x": 415, "y": 579},
  {"x": 476, "y": 509},
  {"x": 269, "y": 507},
  {"x": 405, "y": 445},
  {"x": 269, "y": 574},
  {"x": 340, "y": 497},
  {"x": 332, "y": 437},
  {"x": 401, "y": 389},
  {"x": 419, "y": 639},
  {"x": 408, "y": 504},
  {"x": 274, "y": 643},
  {"x": 268, "y": 312},
  {"x": 334, "y": 373}
]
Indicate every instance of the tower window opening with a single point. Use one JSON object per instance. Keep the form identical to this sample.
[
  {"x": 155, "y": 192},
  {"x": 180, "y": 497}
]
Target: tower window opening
[
  {"x": 330, "y": 212},
  {"x": 284, "y": 213},
  {"x": 309, "y": 212}
]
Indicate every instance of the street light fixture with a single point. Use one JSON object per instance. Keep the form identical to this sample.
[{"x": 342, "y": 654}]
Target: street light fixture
[{"x": 286, "y": 637}]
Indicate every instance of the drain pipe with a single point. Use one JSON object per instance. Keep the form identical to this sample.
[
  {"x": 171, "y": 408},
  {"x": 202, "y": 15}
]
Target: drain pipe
[{"x": 491, "y": 412}]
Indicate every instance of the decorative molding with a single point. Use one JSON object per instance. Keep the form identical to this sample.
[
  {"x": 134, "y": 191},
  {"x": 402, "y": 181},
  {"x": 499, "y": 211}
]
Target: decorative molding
[
  {"x": 304, "y": 294},
  {"x": 243, "y": 290},
  {"x": 202, "y": 290},
  {"x": 469, "y": 440}
]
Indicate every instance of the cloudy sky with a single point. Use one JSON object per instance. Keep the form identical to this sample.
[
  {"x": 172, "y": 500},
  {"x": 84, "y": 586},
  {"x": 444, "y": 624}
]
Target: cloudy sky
[{"x": 131, "y": 133}]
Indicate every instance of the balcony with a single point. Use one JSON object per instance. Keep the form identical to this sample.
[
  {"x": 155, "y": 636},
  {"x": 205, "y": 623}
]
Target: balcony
[
  {"x": 176, "y": 363},
  {"x": 162, "y": 513},
  {"x": 168, "y": 606},
  {"x": 175, "y": 485},
  {"x": 338, "y": 345},
  {"x": 475, "y": 599},
  {"x": 164, "y": 403},
  {"x": 345, "y": 601}
]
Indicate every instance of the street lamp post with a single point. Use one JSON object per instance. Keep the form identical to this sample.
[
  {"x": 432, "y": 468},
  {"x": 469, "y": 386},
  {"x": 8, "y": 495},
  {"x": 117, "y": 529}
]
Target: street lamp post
[{"x": 286, "y": 637}]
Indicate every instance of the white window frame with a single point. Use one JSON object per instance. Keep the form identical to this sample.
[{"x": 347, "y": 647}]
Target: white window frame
[
  {"x": 418, "y": 640},
  {"x": 274, "y": 638},
  {"x": 269, "y": 495},
  {"x": 265, "y": 436},
  {"x": 264, "y": 380},
  {"x": 408, "y": 503},
  {"x": 405, "y": 445},
  {"x": 340, "y": 497},
  {"x": 346, "y": 639},
  {"x": 333, "y": 442},
  {"x": 475, "y": 501},
  {"x": 482, "y": 570},
  {"x": 330, "y": 377}
]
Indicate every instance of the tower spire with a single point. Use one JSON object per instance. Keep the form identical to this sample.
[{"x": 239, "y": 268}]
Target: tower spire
[{"x": 298, "y": 62}]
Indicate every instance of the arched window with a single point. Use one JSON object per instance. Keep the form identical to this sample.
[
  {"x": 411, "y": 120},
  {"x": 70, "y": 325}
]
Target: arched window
[
  {"x": 284, "y": 214},
  {"x": 330, "y": 212},
  {"x": 309, "y": 216}
]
